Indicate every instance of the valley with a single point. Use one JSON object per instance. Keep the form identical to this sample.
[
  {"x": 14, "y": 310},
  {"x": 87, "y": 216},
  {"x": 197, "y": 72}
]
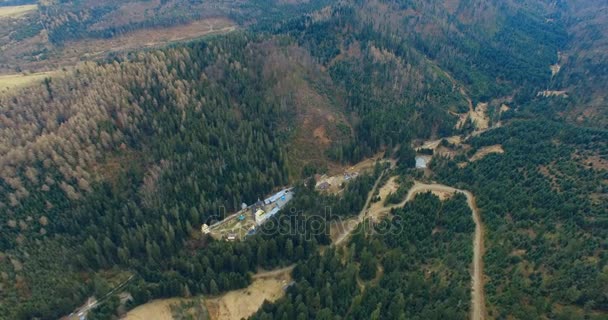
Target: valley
[{"x": 313, "y": 159}]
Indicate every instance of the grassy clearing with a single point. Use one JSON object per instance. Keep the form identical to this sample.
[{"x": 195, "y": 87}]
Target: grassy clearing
[
  {"x": 13, "y": 81},
  {"x": 236, "y": 304},
  {"x": 16, "y": 11},
  {"x": 239, "y": 304}
]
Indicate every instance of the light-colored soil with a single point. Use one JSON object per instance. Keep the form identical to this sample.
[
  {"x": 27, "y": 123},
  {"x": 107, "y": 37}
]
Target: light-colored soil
[
  {"x": 16, "y": 11},
  {"x": 497, "y": 148},
  {"x": 232, "y": 305},
  {"x": 349, "y": 227},
  {"x": 337, "y": 179},
  {"x": 155, "y": 309},
  {"x": 555, "y": 69},
  {"x": 480, "y": 116},
  {"x": 553, "y": 93},
  {"x": 433, "y": 144},
  {"x": 14, "y": 81},
  {"x": 341, "y": 227},
  {"x": 504, "y": 108},
  {"x": 377, "y": 209},
  {"x": 243, "y": 303}
]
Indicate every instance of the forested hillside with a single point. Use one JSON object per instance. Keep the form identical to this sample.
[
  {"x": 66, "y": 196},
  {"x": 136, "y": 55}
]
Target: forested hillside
[
  {"x": 109, "y": 170},
  {"x": 544, "y": 203},
  {"x": 413, "y": 267}
]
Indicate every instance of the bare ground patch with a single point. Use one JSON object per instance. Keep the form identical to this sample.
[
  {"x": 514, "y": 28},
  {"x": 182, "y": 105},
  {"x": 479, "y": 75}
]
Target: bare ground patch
[
  {"x": 243, "y": 303},
  {"x": 481, "y": 153},
  {"x": 480, "y": 116},
  {"x": 377, "y": 209},
  {"x": 553, "y": 93},
  {"x": 155, "y": 309},
  {"x": 71, "y": 53},
  {"x": 339, "y": 174},
  {"x": 16, "y": 11},
  {"x": 433, "y": 144},
  {"x": 14, "y": 81},
  {"x": 595, "y": 162}
]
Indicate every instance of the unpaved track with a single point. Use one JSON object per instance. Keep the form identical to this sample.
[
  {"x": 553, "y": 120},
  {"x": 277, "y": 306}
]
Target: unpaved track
[
  {"x": 274, "y": 273},
  {"x": 478, "y": 311},
  {"x": 350, "y": 227}
]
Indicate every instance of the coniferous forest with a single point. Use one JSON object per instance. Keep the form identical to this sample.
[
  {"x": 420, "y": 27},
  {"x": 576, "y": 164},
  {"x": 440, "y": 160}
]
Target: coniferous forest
[{"x": 108, "y": 172}]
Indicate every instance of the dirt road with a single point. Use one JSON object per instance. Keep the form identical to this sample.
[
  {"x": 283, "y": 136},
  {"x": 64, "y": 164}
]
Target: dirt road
[
  {"x": 350, "y": 227},
  {"x": 274, "y": 273},
  {"x": 478, "y": 311}
]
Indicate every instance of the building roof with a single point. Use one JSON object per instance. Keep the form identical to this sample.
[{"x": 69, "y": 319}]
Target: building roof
[{"x": 275, "y": 197}]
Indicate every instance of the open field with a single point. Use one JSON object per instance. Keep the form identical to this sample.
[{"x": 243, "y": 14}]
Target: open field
[
  {"x": 155, "y": 309},
  {"x": 70, "y": 54},
  {"x": 232, "y": 305},
  {"x": 16, "y": 11},
  {"x": 243, "y": 303},
  {"x": 153, "y": 37},
  {"x": 14, "y": 81}
]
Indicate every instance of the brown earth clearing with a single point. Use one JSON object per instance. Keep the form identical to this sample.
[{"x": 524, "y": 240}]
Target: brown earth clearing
[
  {"x": 71, "y": 53},
  {"x": 239, "y": 304},
  {"x": 481, "y": 153}
]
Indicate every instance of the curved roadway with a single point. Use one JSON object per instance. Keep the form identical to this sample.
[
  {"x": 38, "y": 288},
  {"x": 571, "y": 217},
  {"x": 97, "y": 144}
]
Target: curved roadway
[{"x": 478, "y": 310}]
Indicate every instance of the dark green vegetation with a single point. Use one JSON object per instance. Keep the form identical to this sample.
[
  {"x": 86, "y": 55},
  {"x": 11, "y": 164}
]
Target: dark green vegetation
[
  {"x": 372, "y": 279},
  {"x": 112, "y": 169},
  {"x": 544, "y": 205},
  {"x": 399, "y": 195}
]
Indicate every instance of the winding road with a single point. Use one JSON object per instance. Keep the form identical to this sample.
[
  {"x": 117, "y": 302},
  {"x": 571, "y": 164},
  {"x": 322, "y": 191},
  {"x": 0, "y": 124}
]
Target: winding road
[{"x": 478, "y": 310}]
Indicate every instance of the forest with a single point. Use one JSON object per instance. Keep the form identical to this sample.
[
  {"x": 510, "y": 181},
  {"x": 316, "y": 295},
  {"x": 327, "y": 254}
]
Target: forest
[
  {"x": 372, "y": 279},
  {"x": 108, "y": 171},
  {"x": 542, "y": 204}
]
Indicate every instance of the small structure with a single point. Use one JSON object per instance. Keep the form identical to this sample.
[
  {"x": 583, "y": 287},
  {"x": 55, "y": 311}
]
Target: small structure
[
  {"x": 260, "y": 216},
  {"x": 205, "y": 229},
  {"x": 272, "y": 212},
  {"x": 422, "y": 161},
  {"x": 275, "y": 197},
  {"x": 231, "y": 237}
]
